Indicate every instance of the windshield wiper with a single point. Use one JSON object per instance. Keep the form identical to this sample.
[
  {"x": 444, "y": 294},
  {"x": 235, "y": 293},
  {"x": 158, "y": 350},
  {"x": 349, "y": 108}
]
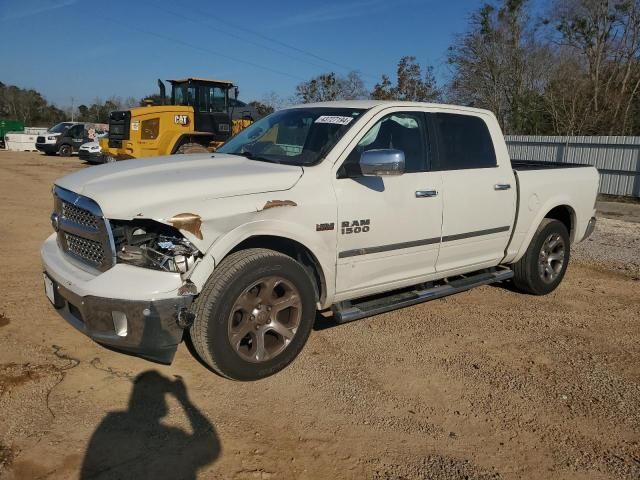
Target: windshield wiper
[{"x": 252, "y": 156}]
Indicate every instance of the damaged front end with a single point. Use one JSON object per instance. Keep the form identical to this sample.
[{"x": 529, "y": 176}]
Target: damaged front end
[{"x": 150, "y": 244}]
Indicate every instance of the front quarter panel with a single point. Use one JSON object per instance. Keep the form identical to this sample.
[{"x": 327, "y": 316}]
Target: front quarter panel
[{"x": 305, "y": 214}]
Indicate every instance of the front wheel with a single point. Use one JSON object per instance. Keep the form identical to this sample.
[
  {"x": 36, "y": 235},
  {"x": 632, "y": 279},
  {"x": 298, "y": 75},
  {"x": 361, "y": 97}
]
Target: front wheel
[
  {"x": 544, "y": 264},
  {"x": 191, "y": 147},
  {"x": 65, "y": 150},
  {"x": 254, "y": 314}
]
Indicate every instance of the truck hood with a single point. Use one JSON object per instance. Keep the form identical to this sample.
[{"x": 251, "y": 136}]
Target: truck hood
[{"x": 153, "y": 187}]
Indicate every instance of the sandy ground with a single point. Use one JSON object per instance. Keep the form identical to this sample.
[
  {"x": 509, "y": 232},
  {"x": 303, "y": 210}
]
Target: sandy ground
[{"x": 486, "y": 384}]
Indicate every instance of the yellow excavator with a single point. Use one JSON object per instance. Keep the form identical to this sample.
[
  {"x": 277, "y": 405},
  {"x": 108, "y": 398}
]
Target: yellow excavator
[{"x": 200, "y": 116}]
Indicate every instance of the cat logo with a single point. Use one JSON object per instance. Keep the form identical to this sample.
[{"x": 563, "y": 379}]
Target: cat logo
[{"x": 181, "y": 119}]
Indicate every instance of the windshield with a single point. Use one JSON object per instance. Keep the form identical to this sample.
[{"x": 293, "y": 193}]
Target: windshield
[
  {"x": 299, "y": 136},
  {"x": 60, "y": 127}
]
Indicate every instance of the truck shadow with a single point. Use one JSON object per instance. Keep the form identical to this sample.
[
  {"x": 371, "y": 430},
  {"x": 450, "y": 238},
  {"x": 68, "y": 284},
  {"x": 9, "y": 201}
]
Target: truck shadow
[{"x": 136, "y": 443}]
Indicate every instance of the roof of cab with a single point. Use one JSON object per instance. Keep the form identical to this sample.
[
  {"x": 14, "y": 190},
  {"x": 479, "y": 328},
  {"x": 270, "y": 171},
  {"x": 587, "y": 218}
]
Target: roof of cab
[
  {"x": 368, "y": 104},
  {"x": 196, "y": 79}
]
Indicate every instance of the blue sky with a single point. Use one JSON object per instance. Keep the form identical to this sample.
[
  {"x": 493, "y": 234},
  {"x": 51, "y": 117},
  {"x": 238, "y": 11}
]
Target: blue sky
[{"x": 66, "y": 48}]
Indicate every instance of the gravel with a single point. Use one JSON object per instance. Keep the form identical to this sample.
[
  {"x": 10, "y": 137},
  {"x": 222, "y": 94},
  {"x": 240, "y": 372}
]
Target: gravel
[{"x": 614, "y": 245}]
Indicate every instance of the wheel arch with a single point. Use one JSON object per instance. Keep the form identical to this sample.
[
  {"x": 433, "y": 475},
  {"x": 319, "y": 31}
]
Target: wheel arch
[
  {"x": 282, "y": 237},
  {"x": 566, "y": 215},
  {"x": 294, "y": 249},
  {"x": 561, "y": 211}
]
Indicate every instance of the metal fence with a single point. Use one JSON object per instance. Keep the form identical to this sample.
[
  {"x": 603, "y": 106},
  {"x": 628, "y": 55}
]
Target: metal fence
[{"x": 616, "y": 158}]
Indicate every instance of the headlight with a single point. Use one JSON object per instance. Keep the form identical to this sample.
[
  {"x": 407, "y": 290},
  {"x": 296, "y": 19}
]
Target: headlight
[{"x": 51, "y": 138}]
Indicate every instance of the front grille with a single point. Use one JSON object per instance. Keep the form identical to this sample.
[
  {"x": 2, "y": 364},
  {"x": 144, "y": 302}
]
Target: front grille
[
  {"x": 40, "y": 140},
  {"x": 83, "y": 232},
  {"x": 119, "y": 125},
  {"x": 79, "y": 215},
  {"x": 86, "y": 249}
]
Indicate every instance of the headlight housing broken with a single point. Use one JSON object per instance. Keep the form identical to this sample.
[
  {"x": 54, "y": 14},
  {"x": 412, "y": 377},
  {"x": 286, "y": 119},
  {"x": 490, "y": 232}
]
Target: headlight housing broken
[{"x": 150, "y": 244}]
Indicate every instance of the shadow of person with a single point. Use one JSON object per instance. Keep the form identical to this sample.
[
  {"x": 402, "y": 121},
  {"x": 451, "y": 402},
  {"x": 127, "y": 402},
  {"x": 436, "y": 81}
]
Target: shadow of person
[{"x": 135, "y": 443}]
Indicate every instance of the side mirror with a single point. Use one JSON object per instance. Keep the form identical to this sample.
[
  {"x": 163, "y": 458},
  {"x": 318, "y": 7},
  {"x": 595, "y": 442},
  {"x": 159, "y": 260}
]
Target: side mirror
[{"x": 376, "y": 163}]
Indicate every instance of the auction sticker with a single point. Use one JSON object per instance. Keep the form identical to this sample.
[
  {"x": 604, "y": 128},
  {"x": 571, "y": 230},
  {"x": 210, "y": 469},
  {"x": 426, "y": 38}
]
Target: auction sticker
[{"x": 334, "y": 119}]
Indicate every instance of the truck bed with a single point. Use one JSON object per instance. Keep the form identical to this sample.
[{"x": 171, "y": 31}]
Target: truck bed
[{"x": 521, "y": 165}]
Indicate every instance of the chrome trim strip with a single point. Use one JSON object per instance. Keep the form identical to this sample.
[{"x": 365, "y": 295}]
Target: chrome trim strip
[
  {"x": 419, "y": 243},
  {"x": 386, "y": 248},
  {"x": 477, "y": 233}
]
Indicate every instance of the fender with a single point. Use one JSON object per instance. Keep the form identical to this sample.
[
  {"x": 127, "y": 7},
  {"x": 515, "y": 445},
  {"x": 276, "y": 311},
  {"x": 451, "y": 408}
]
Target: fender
[
  {"x": 562, "y": 200},
  {"x": 276, "y": 228}
]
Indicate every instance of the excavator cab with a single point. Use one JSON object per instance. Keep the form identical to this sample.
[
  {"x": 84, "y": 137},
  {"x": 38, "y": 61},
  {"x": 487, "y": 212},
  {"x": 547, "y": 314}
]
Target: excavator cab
[{"x": 210, "y": 100}]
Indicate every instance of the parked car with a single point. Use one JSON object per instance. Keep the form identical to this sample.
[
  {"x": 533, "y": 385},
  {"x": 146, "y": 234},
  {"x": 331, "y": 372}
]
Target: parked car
[
  {"x": 357, "y": 206},
  {"x": 64, "y": 139},
  {"x": 90, "y": 152}
]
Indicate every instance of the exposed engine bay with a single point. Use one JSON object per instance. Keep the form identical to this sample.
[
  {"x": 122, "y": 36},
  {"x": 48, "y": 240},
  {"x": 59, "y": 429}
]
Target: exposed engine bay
[{"x": 150, "y": 244}]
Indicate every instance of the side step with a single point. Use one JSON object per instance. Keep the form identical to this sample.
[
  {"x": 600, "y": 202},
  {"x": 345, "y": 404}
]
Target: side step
[{"x": 367, "y": 307}]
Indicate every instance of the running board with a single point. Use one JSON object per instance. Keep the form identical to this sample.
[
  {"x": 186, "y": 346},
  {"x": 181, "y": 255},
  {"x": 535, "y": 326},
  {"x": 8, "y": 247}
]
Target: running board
[{"x": 355, "y": 310}]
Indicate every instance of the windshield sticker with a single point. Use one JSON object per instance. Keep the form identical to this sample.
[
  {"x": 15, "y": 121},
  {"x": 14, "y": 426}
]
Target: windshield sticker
[{"x": 334, "y": 119}]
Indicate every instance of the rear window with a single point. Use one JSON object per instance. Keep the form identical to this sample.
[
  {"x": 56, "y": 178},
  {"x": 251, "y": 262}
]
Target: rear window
[{"x": 465, "y": 142}]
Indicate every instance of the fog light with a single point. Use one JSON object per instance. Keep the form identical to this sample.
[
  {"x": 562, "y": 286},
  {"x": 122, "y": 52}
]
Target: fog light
[
  {"x": 185, "y": 318},
  {"x": 119, "y": 323}
]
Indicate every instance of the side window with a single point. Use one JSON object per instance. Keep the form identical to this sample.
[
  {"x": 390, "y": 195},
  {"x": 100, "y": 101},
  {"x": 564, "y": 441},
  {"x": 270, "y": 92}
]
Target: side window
[
  {"x": 465, "y": 142},
  {"x": 404, "y": 131},
  {"x": 76, "y": 131}
]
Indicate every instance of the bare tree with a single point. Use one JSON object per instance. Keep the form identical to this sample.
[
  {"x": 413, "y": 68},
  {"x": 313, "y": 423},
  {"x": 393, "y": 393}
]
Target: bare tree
[
  {"x": 499, "y": 65},
  {"x": 411, "y": 84},
  {"x": 329, "y": 86},
  {"x": 605, "y": 36}
]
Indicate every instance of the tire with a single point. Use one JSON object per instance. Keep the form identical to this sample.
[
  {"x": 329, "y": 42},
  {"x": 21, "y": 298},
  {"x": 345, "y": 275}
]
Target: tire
[
  {"x": 237, "y": 313},
  {"x": 65, "y": 150},
  {"x": 544, "y": 264},
  {"x": 192, "y": 147}
]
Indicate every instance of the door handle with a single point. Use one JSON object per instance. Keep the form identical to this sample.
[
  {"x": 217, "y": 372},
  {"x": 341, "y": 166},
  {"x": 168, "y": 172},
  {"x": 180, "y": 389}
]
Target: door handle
[
  {"x": 502, "y": 186},
  {"x": 426, "y": 193}
]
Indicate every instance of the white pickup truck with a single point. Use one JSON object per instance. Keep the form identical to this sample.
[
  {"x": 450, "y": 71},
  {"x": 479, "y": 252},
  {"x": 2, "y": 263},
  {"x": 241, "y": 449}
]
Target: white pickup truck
[{"x": 358, "y": 206}]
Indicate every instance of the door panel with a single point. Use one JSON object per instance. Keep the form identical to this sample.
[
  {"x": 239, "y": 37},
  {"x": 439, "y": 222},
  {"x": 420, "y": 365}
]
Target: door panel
[
  {"x": 477, "y": 219},
  {"x": 403, "y": 234},
  {"x": 478, "y": 195},
  {"x": 388, "y": 226}
]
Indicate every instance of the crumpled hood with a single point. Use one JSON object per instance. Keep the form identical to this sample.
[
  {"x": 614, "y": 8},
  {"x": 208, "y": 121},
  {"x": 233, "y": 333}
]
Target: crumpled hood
[{"x": 153, "y": 187}]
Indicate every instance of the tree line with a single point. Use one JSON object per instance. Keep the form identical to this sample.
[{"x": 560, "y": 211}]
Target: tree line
[
  {"x": 574, "y": 70},
  {"x": 571, "y": 70}
]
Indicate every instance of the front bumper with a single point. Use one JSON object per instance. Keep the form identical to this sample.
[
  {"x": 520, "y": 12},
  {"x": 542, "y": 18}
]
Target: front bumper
[
  {"x": 91, "y": 157},
  {"x": 146, "y": 327},
  {"x": 47, "y": 147}
]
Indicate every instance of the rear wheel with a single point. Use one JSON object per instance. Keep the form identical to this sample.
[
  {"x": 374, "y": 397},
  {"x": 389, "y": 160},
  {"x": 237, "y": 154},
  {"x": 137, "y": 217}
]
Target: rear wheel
[
  {"x": 254, "y": 315},
  {"x": 191, "y": 147},
  {"x": 65, "y": 150},
  {"x": 544, "y": 264}
]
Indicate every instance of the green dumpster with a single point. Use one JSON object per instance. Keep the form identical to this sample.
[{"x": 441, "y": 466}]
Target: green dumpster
[{"x": 7, "y": 126}]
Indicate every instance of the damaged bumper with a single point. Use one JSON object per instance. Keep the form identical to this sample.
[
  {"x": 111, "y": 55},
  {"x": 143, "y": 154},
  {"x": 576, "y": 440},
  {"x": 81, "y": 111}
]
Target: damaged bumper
[{"x": 148, "y": 326}]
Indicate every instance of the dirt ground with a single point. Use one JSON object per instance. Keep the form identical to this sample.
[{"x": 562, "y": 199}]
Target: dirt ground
[{"x": 487, "y": 384}]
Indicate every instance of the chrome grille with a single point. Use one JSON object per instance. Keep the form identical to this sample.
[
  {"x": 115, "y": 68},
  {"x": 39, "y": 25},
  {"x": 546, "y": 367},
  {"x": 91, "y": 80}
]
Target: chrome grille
[
  {"x": 86, "y": 249},
  {"x": 83, "y": 232},
  {"x": 79, "y": 215}
]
